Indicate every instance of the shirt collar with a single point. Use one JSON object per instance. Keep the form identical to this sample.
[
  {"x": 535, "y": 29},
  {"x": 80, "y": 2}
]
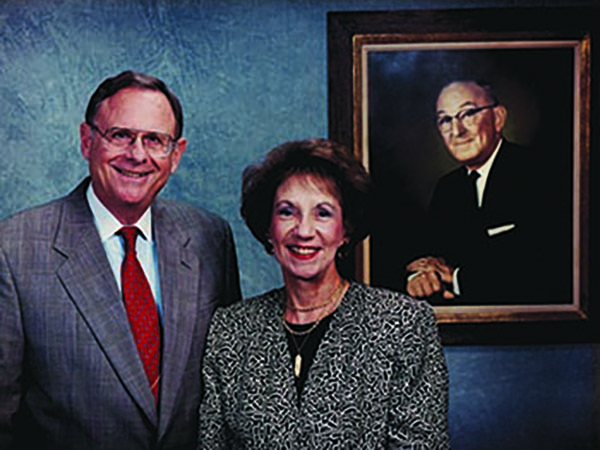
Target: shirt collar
[
  {"x": 485, "y": 169},
  {"x": 107, "y": 224}
]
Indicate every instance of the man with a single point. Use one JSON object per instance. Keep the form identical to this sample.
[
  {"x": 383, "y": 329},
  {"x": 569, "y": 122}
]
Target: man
[
  {"x": 493, "y": 237},
  {"x": 78, "y": 369}
]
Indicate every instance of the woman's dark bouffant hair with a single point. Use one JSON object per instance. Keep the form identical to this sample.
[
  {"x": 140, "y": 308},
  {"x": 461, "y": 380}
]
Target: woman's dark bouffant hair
[{"x": 316, "y": 156}]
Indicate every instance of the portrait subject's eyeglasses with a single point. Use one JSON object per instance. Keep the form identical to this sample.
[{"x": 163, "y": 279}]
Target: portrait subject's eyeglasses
[
  {"x": 466, "y": 117},
  {"x": 157, "y": 145}
]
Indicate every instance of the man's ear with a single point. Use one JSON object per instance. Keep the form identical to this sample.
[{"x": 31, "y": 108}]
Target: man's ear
[
  {"x": 85, "y": 139},
  {"x": 500, "y": 114},
  {"x": 178, "y": 151}
]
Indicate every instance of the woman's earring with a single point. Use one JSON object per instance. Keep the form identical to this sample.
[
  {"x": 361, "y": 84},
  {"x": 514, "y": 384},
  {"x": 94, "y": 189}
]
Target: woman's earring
[
  {"x": 269, "y": 246},
  {"x": 342, "y": 250}
]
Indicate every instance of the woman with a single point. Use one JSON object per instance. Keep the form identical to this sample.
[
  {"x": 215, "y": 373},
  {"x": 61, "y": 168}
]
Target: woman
[{"x": 322, "y": 363}]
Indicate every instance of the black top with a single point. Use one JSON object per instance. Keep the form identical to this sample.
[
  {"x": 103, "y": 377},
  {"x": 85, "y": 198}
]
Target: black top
[{"x": 307, "y": 346}]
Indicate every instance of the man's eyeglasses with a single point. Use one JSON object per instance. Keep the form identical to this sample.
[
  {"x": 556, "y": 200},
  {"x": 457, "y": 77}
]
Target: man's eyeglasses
[
  {"x": 158, "y": 145},
  {"x": 466, "y": 117}
]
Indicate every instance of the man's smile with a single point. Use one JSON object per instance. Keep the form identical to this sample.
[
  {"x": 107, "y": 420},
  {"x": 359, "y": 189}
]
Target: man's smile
[{"x": 132, "y": 174}]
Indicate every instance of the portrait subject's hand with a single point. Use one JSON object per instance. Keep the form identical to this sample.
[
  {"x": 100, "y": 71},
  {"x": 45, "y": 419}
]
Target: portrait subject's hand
[{"x": 430, "y": 275}]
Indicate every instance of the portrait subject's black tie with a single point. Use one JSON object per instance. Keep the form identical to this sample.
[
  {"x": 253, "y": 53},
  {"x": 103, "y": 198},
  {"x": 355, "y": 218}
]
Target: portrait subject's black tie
[
  {"x": 141, "y": 309},
  {"x": 473, "y": 177}
]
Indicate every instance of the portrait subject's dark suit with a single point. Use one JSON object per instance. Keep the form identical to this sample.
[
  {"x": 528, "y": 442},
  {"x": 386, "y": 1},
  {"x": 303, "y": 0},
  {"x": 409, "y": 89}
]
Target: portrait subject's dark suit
[
  {"x": 70, "y": 375},
  {"x": 515, "y": 247}
]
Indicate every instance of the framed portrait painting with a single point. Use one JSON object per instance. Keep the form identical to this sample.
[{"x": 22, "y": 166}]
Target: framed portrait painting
[{"x": 411, "y": 93}]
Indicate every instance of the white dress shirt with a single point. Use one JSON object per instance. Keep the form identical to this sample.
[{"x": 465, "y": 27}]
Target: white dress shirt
[
  {"x": 484, "y": 172},
  {"x": 107, "y": 225}
]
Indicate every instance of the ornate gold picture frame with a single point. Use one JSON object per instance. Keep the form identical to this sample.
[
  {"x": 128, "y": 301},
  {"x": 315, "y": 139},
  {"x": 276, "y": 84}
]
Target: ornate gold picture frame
[{"x": 385, "y": 72}]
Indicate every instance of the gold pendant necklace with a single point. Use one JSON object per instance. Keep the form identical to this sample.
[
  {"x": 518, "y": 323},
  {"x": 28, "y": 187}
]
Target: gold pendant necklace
[
  {"x": 298, "y": 358},
  {"x": 336, "y": 299},
  {"x": 332, "y": 299},
  {"x": 297, "y": 365},
  {"x": 306, "y": 334}
]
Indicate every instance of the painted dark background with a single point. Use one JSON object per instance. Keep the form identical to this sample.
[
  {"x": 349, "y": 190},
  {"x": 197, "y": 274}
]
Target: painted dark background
[
  {"x": 250, "y": 74},
  {"x": 407, "y": 155}
]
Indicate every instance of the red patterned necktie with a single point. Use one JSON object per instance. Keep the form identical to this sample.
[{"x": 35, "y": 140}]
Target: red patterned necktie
[{"x": 141, "y": 309}]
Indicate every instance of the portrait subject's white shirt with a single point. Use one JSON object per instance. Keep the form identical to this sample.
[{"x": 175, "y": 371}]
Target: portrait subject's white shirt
[
  {"x": 107, "y": 225},
  {"x": 484, "y": 172}
]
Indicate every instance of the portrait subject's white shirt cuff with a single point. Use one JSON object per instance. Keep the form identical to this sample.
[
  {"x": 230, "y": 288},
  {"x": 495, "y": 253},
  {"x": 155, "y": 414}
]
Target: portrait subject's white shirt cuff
[
  {"x": 412, "y": 275},
  {"x": 501, "y": 229},
  {"x": 455, "y": 286}
]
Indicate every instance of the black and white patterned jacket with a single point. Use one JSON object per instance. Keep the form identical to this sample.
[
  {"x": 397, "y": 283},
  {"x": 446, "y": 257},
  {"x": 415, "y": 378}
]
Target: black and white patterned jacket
[{"x": 378, "y": 381}]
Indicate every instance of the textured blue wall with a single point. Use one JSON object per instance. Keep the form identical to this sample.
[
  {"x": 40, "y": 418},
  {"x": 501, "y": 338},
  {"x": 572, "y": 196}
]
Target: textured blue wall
[{"x": 251, "y": 74}]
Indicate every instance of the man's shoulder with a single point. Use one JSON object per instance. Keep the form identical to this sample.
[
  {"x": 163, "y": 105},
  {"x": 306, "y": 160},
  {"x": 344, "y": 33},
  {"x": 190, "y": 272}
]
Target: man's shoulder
[
  {"x": 516, "y": 152},
  {"x": 34, "y": 221},
  {"x": 514, "y": 163},
  {"x": 45, "y": 216},
  {"x": 188, "y": 221},
  {"x": 451, "y": 178},
  {"x": 186, "y": 214},
  {"x": 511, "y": 156},
  {"x": 511, "y": 146}
]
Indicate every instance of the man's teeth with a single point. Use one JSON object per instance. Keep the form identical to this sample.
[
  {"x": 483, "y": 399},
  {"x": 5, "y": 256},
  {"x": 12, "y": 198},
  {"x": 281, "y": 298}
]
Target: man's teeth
[{"x": 132, "y": 174}]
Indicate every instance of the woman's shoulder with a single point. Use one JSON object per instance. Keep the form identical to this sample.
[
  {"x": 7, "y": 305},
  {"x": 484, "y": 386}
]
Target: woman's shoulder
[
  {"x": 380, "y": 298},
  {"x": 252, "y": 308},
  {"x": 389, "y": 314},
  {"x": 378, "y": 305}
]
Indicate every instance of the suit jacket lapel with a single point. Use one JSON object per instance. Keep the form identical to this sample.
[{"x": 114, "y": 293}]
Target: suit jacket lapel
[
  {"x": 507, "y": 166},
  {"x": 180, "y": 281},
  {"x": 90, "y": 283}
]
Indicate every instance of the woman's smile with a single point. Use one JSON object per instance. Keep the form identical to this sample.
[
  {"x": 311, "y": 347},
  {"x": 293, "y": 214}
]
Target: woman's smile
[{"x": 307, "y": 227}]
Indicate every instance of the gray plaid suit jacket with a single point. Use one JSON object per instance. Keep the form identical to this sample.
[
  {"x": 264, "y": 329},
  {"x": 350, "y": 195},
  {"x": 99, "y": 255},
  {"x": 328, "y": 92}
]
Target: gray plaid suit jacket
[{"x": 70, "y": 376}]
